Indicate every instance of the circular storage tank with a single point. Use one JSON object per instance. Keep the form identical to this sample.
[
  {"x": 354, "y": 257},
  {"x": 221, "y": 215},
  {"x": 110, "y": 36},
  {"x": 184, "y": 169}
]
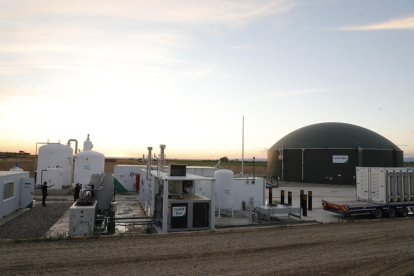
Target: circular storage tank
[
  {"x": 329, "y": 153},
  {"x": 224, "y": 185},
  {"x": 16, "y": 168},
  {"x": 88, "y": 163},
  {"x": 53, "y": 176},
  {"x": 55, "y": 155}
]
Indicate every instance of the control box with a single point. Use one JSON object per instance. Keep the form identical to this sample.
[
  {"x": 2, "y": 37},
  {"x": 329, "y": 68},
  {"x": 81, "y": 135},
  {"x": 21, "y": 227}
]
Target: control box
[{"x": 82, "y": 219}]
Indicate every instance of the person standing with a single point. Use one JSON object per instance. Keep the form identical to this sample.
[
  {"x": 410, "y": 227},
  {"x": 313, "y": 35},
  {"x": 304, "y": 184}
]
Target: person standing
[
  {"x": 44, "y": 193},
  {"x": 77, "y": 191}
]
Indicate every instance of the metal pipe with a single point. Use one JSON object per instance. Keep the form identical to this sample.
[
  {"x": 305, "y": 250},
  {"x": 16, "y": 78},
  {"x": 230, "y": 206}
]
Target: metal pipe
[
  {"x": 76, "y": 144},
  {"x": 242, "y": 173},
  {"x": 73, "y": 158},
  {"x": 162, "y": 155},
  {"x": 283, "y": 165}
]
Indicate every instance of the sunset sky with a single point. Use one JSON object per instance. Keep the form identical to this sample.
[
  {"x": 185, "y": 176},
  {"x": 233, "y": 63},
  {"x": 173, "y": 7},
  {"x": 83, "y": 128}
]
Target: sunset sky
[{"x": 135, "y": 74}]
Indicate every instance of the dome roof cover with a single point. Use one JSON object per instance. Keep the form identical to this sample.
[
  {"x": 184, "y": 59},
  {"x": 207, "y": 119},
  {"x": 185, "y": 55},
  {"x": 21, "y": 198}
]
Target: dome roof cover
[{"x": 334, "y": 135}]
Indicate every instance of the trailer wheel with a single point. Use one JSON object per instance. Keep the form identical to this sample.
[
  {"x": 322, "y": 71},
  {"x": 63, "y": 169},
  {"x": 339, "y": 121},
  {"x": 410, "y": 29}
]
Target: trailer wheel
[
  {"x": 378, "y": 213},
  {"x": 392, "y": 212},
  {"x": 404, "y": 212}
]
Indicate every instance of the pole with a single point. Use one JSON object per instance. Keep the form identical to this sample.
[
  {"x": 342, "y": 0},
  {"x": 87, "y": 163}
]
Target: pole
[
  {"x": 302, "y": 192},
  {"x": 289, "y": 198},
  {"x": 310, "y": 200},
  {"x": 270, "y": 196},
  {"x": 242, "y": 147},
  {"x": 305, "y": 208},
  {"x": 282, "y": 197}
]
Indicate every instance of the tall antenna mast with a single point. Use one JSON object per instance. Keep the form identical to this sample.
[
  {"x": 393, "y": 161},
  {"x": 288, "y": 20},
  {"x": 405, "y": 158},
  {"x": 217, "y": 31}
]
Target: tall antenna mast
[{"x": 242, "y": 147}]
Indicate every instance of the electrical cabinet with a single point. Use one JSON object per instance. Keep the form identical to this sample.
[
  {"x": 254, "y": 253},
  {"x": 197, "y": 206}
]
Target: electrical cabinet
[
  {"x": 82, "y": 219},
  {"x": 189, "y": 212}
]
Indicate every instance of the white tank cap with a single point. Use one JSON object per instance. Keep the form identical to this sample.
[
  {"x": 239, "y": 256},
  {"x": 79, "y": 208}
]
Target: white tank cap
[{"x": 87, "y": 145}]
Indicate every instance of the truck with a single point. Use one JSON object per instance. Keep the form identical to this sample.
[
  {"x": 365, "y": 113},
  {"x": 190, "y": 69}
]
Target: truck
[{"x": 380, "y": 192}]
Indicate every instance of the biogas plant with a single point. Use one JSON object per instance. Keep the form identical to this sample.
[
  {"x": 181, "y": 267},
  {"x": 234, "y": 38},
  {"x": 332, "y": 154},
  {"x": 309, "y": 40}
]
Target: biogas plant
[{"x": 363, "y": 171}]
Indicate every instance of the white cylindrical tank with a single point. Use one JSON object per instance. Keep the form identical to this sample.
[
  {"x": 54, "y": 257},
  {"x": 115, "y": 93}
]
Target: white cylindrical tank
[
  {"x": 16, "y": 168},
  {"x": 55, "y": 155},
  {"x": 53, "y": 176},
  {"x": 88, "y": 163},
  {"x": 224, "y": 186}
]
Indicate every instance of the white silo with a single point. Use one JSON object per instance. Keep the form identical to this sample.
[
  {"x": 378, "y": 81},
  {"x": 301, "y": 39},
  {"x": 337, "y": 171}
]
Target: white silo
[
  {"x": 88, "y": 163},
  {"x": 224, "y": 186},
  {"x": 55, "y": 155},
  {"x": 53, "y": 176}
]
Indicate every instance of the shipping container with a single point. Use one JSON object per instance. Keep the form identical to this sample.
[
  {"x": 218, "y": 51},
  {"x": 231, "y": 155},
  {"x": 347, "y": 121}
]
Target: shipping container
[
  {"x": 16, "y": 191},
  {"x": 380, "y": 191}
]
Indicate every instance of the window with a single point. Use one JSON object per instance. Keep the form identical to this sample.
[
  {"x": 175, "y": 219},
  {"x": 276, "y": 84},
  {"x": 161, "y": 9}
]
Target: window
[{"x": 8, "y": 190}]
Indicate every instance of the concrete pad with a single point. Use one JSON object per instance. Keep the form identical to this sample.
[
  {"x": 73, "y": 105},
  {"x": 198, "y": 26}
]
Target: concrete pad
[{"x": 332, "y": 193}]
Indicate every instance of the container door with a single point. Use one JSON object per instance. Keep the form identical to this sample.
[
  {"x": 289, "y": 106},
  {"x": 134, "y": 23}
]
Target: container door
[
  {"x": 377, "y": 182},
  {"x": 362, "y": 179},
  {"x": 26, "y": 193}
]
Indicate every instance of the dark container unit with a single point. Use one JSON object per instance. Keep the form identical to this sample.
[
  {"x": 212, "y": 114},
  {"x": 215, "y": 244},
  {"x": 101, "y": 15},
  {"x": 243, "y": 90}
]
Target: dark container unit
[
  {"x": 191, "y": 212},
  {"x": 313, "y": 154}
]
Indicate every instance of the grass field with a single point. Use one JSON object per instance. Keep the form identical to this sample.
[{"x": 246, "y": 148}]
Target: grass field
[{"x": 213, "y": 163}]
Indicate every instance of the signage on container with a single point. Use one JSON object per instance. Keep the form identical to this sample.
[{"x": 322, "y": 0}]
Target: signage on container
[
  {"x": 179, "y": 211},
  {"x": 342, "y": 159}
]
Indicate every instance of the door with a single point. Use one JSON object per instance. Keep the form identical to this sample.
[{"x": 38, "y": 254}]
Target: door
[
  {"x": 26, "y": 193},
  {"x": 377, "y": 181},
  {"x": 362, "y": 179}
]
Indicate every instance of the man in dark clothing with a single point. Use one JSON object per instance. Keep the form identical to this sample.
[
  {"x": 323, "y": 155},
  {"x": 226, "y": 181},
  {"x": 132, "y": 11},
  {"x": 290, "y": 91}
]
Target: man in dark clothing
[
  {"x": 77, "y": 191},
  {"x": 44, "y": 193}
]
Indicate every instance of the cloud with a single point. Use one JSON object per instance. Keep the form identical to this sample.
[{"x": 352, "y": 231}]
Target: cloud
[
  {"x": 181, "y": 11},
  {"x": 247, "y": 46},
  {"x": 411, "y": 131},
  {"x": 394, "y": 24},
  {"x": 292, "y": 93}
]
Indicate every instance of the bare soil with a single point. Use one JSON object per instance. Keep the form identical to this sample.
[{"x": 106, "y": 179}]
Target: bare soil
[{"x": 373, "y": 247}]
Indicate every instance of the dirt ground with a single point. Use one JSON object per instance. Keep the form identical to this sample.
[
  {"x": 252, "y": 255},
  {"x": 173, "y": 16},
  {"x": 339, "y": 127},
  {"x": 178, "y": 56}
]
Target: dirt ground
[
  {"x": 373, "y": 247},
  {"x": 29, "y": 165}
]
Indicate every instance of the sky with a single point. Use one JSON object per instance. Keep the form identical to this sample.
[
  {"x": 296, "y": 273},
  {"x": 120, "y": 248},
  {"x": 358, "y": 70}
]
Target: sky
[{"x": 134, "y": 74}]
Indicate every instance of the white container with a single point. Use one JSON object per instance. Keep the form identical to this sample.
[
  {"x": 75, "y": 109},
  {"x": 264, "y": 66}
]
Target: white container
[
  {"x": 126, "y": 177},
  {"x": 53, "y": 176},
  {"x": 88, "y": 163},
  {"x": 224, "y": 185},
  {"x": 376, "y": 185},
  {"x": 16, "y": 191},
  {"x": 56, "y": 155}
]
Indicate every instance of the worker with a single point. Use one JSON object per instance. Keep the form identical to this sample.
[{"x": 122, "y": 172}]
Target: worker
[
  {"x": 76, "y": 189},
  {"x": 44, "y": 193}
]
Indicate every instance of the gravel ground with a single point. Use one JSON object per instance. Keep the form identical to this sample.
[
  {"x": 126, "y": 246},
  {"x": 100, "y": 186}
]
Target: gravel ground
[
  {"x": 35, "y": 222},
  {"x": 373, "y": 247}
]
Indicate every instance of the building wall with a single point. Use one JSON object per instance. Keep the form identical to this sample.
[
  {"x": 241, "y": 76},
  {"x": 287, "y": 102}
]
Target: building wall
[{"x": 320, "y": 168}]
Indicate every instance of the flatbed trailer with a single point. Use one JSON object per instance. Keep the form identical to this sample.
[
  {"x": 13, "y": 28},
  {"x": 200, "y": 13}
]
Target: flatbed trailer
[{"x": 355, "y": 208}]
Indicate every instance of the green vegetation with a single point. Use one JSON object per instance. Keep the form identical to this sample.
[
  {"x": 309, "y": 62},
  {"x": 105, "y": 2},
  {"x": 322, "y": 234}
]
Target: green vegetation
[
  {"x": 213, "y": 163},
  {"x": 409, "y": 164}
]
